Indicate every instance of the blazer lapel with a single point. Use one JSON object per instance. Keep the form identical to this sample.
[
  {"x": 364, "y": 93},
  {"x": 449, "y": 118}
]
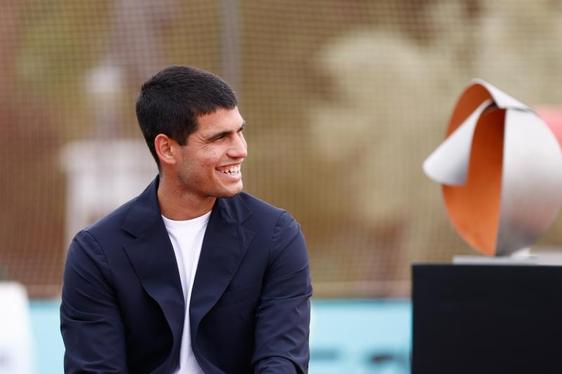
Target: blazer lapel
[
  {"x": 153, "y": 259},
  {"x": 224, "y": 246}
]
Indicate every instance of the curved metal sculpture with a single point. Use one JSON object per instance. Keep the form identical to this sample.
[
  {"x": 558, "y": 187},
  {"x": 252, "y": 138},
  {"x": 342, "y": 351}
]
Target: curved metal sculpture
[{"x": 500, "y": 167}]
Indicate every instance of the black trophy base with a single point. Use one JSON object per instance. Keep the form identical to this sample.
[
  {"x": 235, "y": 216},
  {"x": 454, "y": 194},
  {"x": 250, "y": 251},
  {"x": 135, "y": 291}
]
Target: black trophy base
[{"x": 482, "y": 319}]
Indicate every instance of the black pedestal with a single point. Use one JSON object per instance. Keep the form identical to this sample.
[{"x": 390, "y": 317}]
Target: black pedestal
[{"x": 481, "y": 319}]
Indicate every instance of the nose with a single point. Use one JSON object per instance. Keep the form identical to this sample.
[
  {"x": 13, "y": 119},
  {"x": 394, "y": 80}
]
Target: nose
[{"x": 239, "y": 148}]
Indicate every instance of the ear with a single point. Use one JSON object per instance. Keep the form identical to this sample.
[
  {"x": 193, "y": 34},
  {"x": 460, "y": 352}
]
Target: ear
[{"x": 165, "y": 149}]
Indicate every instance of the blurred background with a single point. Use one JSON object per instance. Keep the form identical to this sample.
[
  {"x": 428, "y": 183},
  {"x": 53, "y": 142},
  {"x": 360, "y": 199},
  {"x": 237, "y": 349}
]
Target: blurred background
[{"x": 344, "y": 99}]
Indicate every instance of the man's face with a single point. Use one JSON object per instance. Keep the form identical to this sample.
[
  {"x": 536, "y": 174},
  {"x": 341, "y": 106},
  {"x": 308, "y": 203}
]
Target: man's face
[{"x": 211, "y": 160}]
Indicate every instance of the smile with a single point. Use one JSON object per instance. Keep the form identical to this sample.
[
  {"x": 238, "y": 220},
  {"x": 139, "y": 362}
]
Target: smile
[{"x": 230, "y": 170}]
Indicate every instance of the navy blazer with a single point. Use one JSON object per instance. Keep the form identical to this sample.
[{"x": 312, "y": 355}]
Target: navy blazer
[{"x": 122, "y": 307}]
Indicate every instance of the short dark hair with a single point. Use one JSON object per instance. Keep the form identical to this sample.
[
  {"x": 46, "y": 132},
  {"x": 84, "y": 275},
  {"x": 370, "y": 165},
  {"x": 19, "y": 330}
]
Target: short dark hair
[{"x": 170, "y": 102}]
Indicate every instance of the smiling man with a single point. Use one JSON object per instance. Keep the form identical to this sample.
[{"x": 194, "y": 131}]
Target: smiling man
[{"x": 193, "y": 275}]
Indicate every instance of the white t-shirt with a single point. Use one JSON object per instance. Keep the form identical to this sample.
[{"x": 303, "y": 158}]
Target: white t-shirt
[{"x": 187, "y": 239}]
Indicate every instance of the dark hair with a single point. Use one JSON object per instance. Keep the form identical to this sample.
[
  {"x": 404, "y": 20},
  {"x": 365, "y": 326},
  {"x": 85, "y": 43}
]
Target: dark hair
[{"x": 170, "y": 102}]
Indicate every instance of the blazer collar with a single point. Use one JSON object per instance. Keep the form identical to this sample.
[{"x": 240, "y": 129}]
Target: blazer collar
[
  {"x": 152, "y": 256},
  {"x": 224, "y": 246}
]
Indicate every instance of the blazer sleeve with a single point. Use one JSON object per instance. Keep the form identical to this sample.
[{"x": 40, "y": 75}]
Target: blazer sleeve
[
  {"x": 283, "y": 313},
  {"x": 91, "y": 326}
]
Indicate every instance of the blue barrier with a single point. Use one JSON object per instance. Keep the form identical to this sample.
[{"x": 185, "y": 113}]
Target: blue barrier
[
  {"x": 48, "y": 346},
  {"x": 360, "y": 336}
]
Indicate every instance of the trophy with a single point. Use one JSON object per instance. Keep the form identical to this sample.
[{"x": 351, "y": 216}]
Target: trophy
[{"x": 500, "y": 167}]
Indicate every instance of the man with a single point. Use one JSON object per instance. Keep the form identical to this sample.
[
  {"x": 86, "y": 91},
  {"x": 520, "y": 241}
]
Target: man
[{"x": 192, "y": 276}]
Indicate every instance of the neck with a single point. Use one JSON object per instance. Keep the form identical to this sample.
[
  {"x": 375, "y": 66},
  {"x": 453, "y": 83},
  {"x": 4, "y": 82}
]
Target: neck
[{"x": 179, "y": 205}]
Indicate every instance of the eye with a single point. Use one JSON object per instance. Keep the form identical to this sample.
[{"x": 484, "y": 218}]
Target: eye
[{"x": 218, "y": 137}]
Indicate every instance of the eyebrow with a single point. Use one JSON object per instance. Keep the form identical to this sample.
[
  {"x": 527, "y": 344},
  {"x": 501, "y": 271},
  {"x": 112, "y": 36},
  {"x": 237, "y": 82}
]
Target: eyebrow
[{"x": 224, "y": 133}]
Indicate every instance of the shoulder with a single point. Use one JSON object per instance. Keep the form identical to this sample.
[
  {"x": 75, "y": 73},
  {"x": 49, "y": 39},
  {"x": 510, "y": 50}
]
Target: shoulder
[
  {"x": 99, "y": 246},
  {"x": 257, "y": 211},
  {"x": 113, "y": 230},
  {"x": 93, "y": 238},
  {"x": 257, "y": 205},
  {"x": 260, "y": 216},
  {"x": 277, "y": 223}
]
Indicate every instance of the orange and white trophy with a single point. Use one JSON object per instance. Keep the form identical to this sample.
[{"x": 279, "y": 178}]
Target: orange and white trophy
[{"x": 500, "y": 167}]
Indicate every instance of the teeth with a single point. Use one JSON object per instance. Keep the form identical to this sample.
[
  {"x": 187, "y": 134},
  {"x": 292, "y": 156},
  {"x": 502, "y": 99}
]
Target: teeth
[{"x": 232, "y": 170}]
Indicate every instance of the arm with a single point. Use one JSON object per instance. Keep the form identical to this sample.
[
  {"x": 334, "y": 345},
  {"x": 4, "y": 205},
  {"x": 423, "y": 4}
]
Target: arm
[
  {"x": 91, "y": 325},
  {"x": 283, "y": 314}
]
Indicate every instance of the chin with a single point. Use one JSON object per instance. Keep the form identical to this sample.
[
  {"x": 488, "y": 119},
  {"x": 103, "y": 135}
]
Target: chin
[
  {"x": 230, "y": 192},
  {"x": 233, "y": 194}
]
